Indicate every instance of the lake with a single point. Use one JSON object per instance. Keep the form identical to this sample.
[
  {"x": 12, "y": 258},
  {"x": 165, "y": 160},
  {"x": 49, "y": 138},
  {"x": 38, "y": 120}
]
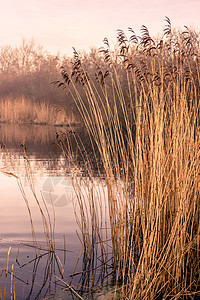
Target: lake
[{"x": 33, "y": 169}]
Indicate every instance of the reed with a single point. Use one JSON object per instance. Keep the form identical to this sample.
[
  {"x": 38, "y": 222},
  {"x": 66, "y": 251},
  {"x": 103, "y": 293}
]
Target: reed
[
  {"x": 24, "y": 110},
  {"x": 5, "y": 269},
  {"x": 144, "y": 127}
]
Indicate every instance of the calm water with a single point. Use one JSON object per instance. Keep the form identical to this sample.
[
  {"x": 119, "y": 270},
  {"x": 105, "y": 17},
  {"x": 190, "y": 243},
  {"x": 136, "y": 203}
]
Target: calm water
[{"x": 34, "y": 276}]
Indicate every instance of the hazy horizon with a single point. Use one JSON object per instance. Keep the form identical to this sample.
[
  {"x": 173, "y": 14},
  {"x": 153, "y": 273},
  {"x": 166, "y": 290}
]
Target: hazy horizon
[{"x": 60, "y": 25}]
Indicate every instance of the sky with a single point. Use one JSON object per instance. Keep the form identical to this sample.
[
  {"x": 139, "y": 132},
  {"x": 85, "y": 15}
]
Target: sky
[{"x": 59, "y": 25}]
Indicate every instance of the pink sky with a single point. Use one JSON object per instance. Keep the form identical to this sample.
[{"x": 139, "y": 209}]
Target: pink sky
[{"x": 61, "y": 24}]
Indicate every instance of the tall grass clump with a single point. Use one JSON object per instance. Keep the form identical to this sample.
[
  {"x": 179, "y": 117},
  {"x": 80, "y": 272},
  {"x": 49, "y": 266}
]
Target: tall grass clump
[{"x": 144, "y": 129}]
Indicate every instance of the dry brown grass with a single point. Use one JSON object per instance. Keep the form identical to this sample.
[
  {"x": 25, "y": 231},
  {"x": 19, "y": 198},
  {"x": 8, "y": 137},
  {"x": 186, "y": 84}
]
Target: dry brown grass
[
  {"x": 149, "y": 147},
  {"x": 12, "y": 285},
  {"x": 26, "y": 111}
]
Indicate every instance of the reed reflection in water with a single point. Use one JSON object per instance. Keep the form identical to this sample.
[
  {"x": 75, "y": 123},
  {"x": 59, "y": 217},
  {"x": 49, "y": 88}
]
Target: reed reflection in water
[{"x": 35, "y": 270}]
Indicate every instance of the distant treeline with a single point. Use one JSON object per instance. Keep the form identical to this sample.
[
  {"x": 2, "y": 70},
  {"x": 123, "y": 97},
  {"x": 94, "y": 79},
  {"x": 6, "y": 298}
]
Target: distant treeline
[
  {"x": 28, "y": 70},
  {"x": 27, "y": 73}
]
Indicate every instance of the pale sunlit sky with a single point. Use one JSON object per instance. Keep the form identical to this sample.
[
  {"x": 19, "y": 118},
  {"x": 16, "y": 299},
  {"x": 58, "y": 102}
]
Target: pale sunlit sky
[{"x": 60, "y": 25}]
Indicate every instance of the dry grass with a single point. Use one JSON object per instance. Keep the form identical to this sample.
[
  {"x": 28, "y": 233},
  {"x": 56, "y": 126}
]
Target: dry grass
[
  {"x": 26, "y": 111},
  {"x": 148, "y": 143},
  {"x": 12, "y": 285}
]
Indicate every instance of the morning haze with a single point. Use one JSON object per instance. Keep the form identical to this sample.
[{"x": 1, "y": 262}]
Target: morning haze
[{"x": 59, "y": 25}]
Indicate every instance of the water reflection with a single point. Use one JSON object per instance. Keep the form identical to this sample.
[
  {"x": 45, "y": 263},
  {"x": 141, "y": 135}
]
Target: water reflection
[
  {"x": 34, "y": 272},
  {"x": 39, "y": 142}
]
